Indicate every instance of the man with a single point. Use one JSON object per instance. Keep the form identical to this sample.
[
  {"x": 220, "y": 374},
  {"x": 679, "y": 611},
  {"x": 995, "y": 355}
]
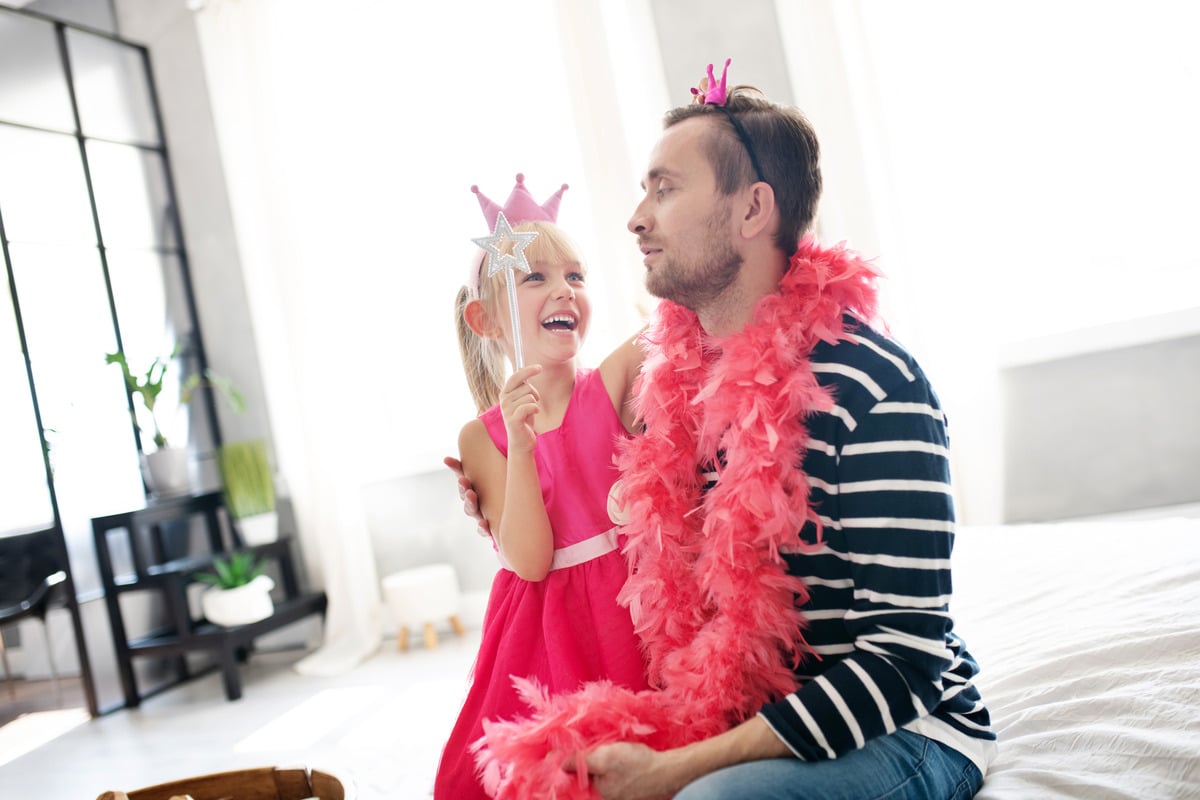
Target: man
[{"x": 822, "y": 475}]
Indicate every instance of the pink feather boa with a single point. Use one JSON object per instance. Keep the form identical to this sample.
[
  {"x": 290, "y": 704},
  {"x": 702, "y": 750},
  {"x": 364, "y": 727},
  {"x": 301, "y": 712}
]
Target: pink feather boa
[{"x": 709, "y": 593}]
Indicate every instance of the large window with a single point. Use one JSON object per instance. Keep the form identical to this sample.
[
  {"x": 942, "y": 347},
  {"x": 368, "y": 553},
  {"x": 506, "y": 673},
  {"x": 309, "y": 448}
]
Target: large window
[{"x": 94, "y": 261}]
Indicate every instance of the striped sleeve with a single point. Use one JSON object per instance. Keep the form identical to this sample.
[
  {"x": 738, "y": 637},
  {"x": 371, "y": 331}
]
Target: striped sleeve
[{"x": 878, "y": 465}]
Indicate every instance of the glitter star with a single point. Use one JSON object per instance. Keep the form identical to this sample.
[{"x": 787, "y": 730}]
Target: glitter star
[{"x": 498, "y": 258}]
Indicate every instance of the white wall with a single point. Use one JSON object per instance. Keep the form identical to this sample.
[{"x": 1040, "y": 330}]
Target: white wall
[{"x": 1029, "y": 168}]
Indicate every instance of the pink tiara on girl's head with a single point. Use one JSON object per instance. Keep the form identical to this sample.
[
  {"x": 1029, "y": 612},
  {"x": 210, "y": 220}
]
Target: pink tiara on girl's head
[
  {"x": 520, "y": 206},
  {"x": 709, "y": 92}
]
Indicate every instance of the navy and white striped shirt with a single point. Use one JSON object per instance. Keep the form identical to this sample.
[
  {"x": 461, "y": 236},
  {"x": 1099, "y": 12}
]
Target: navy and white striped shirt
[{"x": 878, "y": 467}]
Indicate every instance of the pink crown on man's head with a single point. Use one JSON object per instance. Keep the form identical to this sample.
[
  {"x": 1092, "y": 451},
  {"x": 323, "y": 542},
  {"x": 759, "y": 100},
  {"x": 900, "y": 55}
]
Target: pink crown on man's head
[{"x": 520, "y": 207}]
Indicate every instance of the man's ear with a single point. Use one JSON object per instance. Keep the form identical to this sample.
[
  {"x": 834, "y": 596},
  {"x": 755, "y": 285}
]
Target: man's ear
[
  {"x": 759, "y": 210},
  {"x": 480, "y": 321}
]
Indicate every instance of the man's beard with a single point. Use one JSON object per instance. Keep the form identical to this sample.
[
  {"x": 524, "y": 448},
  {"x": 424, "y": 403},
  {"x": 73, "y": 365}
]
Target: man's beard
[{"x": 697, "y": 278}]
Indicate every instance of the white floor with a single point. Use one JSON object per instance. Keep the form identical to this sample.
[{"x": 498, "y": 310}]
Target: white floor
[{"x": 381, "y": 725}]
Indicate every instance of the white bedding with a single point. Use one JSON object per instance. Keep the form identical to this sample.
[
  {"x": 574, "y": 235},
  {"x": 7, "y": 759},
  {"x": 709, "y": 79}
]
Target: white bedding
[{"x": 1088, "y": 637}]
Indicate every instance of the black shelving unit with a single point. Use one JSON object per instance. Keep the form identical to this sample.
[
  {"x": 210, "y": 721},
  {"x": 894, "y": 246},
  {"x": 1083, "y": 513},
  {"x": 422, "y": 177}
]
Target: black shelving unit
[{"x": 139, "y": 536}]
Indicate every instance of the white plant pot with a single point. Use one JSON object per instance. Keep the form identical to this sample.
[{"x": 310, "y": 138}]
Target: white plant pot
[
  {"x": 260, "y": 528},
  {"x": 167, "y": 471},
  {"x": 239, "y": 606}
]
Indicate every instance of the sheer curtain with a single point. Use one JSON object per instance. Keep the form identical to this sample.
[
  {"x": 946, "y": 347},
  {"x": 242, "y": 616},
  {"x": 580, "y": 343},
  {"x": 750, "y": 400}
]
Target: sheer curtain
[{"x": 351, "y": 136}]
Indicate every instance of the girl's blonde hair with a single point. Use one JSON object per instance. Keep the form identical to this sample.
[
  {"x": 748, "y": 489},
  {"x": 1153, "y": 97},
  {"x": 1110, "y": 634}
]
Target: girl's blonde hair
[{"x": 484, "y": 361}]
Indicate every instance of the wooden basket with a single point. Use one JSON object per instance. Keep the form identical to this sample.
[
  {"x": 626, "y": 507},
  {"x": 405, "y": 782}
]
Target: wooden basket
[{"x": 259, "y": 783}]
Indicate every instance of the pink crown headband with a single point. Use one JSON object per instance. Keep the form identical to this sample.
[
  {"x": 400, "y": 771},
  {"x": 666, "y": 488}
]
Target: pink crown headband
[
  {"x": 711, "y": 93},
  {"x": 520, "y": 207}
]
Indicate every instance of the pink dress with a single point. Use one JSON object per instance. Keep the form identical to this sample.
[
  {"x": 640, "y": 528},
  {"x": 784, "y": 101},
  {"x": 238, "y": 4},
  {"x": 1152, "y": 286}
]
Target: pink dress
[{"x": 566, "y": 629}]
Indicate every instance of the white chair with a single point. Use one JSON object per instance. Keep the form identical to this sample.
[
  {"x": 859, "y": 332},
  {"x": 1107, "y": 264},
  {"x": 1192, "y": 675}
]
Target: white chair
[{"x": 420, "y": 596}]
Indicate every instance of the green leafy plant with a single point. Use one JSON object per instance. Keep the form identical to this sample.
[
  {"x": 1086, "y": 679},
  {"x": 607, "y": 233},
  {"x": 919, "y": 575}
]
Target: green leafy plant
[
  {"x": 149, "y": 385},
  {"x": 239, "y": 569},
  {"x": 246, "y": 475}
]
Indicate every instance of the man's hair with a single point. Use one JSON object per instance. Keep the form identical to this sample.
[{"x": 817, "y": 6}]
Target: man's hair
[{"x": 784, "y": 144}]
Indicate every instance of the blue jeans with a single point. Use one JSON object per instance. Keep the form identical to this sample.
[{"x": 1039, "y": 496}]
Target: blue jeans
[{"x": 901, "y": 766}]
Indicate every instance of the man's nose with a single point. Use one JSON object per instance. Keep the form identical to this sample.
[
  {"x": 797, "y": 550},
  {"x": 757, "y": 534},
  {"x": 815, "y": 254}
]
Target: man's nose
[{"x": 640, "y": 221}]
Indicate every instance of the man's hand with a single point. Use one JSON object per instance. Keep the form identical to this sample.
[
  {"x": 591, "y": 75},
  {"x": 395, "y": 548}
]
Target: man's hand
[
  {"x": 466, "y": 491},
  {"x": 626, "y": 771}
]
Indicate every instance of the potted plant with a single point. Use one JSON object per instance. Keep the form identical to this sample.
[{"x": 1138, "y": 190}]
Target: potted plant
[
  {"x": 166, "y": 466},
  {"x": 239, "y": 593},
  {"x": 249, "y": 490}
]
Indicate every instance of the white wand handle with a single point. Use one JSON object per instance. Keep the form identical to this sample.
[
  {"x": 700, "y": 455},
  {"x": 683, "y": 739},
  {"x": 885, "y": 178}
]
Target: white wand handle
[
  {"x": 499, "y": 257},
  {"x": 516, "y": 321}
]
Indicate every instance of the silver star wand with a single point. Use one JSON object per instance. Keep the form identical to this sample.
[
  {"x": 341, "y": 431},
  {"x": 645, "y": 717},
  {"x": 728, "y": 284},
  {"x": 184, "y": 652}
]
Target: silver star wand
[{"x": 499, "y": 258}]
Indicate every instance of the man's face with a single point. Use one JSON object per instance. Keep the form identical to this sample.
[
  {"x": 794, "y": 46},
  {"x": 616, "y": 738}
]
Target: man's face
[{"x": 684, "y": 226}]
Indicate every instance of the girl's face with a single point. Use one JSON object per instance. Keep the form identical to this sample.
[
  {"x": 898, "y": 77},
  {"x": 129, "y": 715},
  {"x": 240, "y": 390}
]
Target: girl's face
[{"x": 554, "y": 310}]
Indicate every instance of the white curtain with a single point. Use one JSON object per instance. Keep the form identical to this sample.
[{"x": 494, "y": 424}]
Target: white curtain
[{"x": 351, "y": 135}]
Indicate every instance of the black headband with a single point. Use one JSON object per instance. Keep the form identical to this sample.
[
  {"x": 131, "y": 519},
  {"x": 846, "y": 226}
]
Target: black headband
[{"x": 741, "y": 132}]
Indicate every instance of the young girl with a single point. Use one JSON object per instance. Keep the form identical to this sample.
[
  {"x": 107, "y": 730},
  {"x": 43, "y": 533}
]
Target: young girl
[{"x": 540, "y": 457}]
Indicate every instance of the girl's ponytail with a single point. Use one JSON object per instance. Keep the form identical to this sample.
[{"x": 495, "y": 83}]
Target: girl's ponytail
[{"x": 483, "y": 359}]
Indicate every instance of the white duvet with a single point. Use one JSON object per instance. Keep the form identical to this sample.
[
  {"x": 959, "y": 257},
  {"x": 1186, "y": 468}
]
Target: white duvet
[{"x": 1088, "y": 636}]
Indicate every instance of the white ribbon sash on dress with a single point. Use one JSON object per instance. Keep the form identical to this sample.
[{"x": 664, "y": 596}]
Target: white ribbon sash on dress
[{"x": 578, "y": 553}]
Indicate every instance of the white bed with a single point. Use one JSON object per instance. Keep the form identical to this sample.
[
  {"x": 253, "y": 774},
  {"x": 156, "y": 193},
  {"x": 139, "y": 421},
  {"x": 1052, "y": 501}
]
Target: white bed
[{"x": 1088, "y": 637}]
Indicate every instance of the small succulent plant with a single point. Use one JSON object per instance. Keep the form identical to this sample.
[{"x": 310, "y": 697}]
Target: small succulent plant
[{"x": 239, "y": 569}]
